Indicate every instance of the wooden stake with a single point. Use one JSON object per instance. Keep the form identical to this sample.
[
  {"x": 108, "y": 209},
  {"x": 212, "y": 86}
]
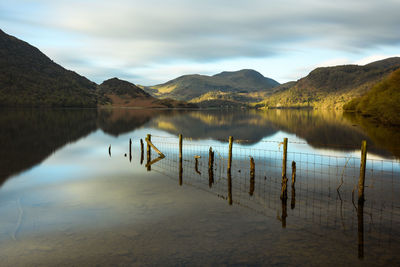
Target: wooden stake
[
  {"x": 363, "y": 163},
  {"x": 210, "y": 167},
  {"x": 293, "y": 173},
  {"x": 180, "y": 146},
  {"x": 284, "y": 178},
  {"x": 130, "y": 149},
  {"x": 252, "y": 175},
  {"x": 141, "y": 151},
  {"x": 196, "y": 165},
  {"x": 148, "y": 152},
  {"x": 230, "y": 153}
]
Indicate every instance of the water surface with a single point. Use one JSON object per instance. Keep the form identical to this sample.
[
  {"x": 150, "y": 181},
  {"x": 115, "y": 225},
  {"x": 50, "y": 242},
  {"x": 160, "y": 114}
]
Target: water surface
[{"x": 64, "y": 200}]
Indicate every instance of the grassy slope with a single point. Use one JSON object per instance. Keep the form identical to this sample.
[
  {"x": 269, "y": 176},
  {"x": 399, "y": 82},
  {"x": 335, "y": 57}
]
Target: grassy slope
[
  {"x": 382, "y": 102},
  {"x": 188, "y": 87},
  {"x": 331, "y": 87}
]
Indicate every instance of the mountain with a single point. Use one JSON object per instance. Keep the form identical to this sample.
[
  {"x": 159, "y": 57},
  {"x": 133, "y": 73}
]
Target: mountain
[
  {"x": 120, "y": 93},
  {"x": 29, "y": 78},
  {"x": 382, "y": 102},
  {"x": 332, "y": 87},
  {"x": 188, "y": 87}
]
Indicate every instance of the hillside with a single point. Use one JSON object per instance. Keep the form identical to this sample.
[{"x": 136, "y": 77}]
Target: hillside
[
  {"x": 188, "y": 87},
  {"x": 382, "y": 102},
  {"x": 332, "y": 87},
  {"x": 29, "y": 78},
  {"x": 120, "y": 93}
]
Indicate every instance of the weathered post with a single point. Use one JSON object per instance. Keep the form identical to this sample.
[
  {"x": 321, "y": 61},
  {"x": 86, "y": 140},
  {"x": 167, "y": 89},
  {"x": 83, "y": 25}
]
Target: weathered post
[
  {"x": 130, "y": 149},
  {"x": 210, "y": 167},
  {"x": 141, "y": 151},
  {"x": 229, "y": 171},
  {"x": 252, "y": 175},
  {"x": 148, "y": 153},
  {"x": 284, "y": 178},
  {"x": 230, "y": 153},
  {"x": 363, "y": 163},
  {"x": 293, "y": 173},
  {"x": 196, "y": 165},
  {"x": 180, "y": 146}
]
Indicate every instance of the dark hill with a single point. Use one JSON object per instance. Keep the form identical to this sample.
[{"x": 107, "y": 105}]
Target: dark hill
[
  {"x": 188, "y": 87},
  {"x": 120, "y": 93},
  {"x": 121, "y": 87},
  {"x": 332, "y": 87},
  {"x": 30, "y": 78}
]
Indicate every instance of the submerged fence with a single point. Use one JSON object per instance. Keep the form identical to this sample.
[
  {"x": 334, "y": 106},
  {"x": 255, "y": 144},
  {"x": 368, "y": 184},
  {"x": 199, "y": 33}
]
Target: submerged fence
[{"x": 326, "y": 189}]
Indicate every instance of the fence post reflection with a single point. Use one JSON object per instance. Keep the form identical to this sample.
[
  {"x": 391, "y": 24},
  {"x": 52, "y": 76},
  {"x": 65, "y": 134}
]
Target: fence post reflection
[{"x": 360, "y": 218}]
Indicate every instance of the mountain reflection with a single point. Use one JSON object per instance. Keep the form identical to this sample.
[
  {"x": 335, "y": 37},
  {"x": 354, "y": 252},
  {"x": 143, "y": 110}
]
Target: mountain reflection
[{"x": 28, "y": 136}]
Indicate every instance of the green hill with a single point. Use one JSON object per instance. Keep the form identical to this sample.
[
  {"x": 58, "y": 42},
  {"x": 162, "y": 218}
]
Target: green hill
[
  {"x": 382, "y": 102},
  {"x": 188, "y": 87},
  {"x": 331, "y": 87},
  {"x": 30, "y": 78}
]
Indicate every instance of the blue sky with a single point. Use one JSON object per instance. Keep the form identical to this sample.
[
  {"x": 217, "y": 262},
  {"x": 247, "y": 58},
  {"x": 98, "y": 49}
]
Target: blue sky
[{"x": 150, "y": 42}]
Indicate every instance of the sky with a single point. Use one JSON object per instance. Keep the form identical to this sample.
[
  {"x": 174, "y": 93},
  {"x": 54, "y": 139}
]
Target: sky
[{"x": 152, "y": 41}]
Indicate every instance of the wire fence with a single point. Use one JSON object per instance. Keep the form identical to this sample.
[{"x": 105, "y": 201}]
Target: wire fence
[{"x": 324, "y": 192}]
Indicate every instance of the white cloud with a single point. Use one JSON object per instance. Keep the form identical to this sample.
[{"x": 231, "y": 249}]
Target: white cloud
[{"x": 130, "y": 37}]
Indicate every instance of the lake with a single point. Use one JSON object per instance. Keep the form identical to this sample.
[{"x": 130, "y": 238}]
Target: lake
[{"x": 73, "y": 192}]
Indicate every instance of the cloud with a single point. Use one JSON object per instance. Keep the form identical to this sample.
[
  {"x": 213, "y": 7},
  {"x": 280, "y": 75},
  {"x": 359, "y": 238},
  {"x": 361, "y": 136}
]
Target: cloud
[{"x": 136, "y": 34}]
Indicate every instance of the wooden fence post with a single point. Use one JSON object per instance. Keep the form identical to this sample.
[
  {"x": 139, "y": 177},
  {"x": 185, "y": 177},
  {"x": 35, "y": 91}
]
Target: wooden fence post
[
  {"x": 180, "y": 146},
  {"x": 230, "y": 153},
  {"x": 210, "y": 167},
  {"x": 284, "y": 178},
  {"x": 130, "y": 149},
  {"x": 141, "y": 151},
  {"x": 363, "y": 163},
  {"x": 148, "y": 152},
  {"x": 180, "y": 160},
  {"x": 293, "y": 173},
  {"x": 252, "y": 175}
]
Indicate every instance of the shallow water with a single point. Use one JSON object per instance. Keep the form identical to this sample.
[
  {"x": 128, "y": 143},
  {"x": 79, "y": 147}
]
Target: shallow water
[{"x": 64, "y": 200}]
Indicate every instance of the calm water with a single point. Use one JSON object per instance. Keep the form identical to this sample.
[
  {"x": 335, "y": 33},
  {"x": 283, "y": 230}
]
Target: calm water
[{"x": 65, "y": 200}]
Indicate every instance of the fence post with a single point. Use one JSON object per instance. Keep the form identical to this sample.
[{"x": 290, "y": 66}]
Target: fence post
[
  {"x": 230, "y": 153},
  {"x": 210, "y": 167},
  {"x": 363, "y": 163},
  {"x": 141, "y": 151},
  {"x": 130, "y": 149},
  {"x": 252, "y": 175},
  {"x": 293, "y": 173},
  {"x": 284, "y": 161},
  {"x": 180, "y": 146},
  {"x": 148, "y": 152}
]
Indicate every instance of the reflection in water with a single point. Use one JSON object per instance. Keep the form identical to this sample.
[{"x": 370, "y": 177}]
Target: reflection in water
[
  {"x": 170, "y": 217},
  {"x": 28, "y": 136},
  {"x": 46, "y": 130},
  {"x": 316, "y": 204},
  {"x": 360, "y": 219}
]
